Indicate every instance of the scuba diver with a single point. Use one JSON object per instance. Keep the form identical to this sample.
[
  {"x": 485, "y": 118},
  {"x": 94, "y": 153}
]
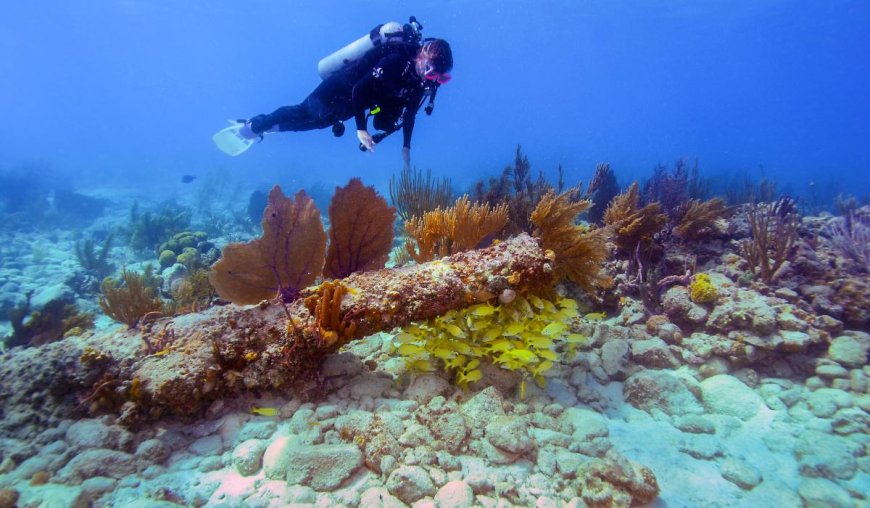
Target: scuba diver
[{"x": 387, "y": 75}]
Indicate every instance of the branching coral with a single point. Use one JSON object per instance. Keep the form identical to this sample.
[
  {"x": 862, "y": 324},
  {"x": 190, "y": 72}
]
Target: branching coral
[
  {"x": 697, "y": 218},
  {"x": 413, "y": 194},
  {"x": 55, "y": 320},
  {"x": 774, "y": 232},
  {"x": 360, "y": 230},
  {"x": 148, "y": 230},
  {"x": 602, "y": 189},
  {"x": 193, "y": 293},
  {"x": 129, "y": 299},
  {"x": 515, "y": 188},
  {"x": 634, "y": 228},
  {"x": 287, "y": 258},
  {"x": 579, "y": 253},
  {"x": 92, "y": 261},
  {"x": 851, "y": 235},
  {"x": 669, "y": 189},
  {"x": 462, "y": 227}
]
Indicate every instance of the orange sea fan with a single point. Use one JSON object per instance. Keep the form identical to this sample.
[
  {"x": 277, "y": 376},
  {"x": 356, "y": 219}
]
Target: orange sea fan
[
  {"x": 287, "y": 258},
  {"x": 360, "y": 230}
]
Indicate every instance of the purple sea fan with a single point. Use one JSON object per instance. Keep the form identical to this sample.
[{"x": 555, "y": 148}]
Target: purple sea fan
[{"x": 851, "y": 235}]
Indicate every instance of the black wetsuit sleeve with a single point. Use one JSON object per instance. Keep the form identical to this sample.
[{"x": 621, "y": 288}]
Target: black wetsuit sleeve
[
  {"x": 363, "y": 96},
  {"x": 409, "y": 117}
]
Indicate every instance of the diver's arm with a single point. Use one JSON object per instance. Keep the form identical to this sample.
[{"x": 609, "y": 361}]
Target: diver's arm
[
  {"x": 363, "y": 95},
  {"x": 412, "y": 105}
]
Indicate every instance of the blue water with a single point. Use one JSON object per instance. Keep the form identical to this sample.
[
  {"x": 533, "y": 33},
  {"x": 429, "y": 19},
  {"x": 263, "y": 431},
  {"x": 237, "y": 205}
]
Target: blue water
[{"x": 130, "y": 92}]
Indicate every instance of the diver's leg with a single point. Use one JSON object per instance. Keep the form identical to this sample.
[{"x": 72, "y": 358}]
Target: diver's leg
[{"x": 322, "y": 108}]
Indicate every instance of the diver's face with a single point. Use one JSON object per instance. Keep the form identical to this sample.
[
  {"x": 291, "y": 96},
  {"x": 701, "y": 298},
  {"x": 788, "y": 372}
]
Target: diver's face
[{"x": 426, "y": 69}]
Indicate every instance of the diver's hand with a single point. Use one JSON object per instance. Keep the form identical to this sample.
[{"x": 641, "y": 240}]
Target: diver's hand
[
  {"x": 406, "y": 157},
  {"x": 366, "y": 140}
]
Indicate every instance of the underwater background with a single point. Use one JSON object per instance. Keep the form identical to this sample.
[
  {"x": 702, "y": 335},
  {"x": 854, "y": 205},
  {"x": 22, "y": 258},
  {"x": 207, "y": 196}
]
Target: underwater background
[
  {"x": 131, "y": 91},
  {"x": 629, "y": 266}
]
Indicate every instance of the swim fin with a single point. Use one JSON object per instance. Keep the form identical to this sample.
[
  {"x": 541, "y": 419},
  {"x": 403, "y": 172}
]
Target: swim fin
[{"x": 232, "y": 141}]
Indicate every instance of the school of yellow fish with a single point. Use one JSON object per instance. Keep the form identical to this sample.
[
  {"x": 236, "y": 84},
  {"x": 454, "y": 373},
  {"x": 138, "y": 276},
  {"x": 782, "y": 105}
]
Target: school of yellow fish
[{"x": 521, "y": 336}]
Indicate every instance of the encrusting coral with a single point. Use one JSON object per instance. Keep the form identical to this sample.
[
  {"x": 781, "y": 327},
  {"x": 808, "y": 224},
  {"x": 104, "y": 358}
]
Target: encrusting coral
[
  {"x": 360, "y": 230},
  {"x": 702, "y": 290},
  {"x": 275, "y": 345},
  {"x": 579, "y": 252},
  {"x": 287, "y": 258},
  {"x": 462, "y": 227}
]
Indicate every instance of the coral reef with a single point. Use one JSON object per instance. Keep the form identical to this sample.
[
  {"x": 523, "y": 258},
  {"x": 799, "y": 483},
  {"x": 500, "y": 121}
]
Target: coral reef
[
  {"x": 579, "y": 252},
  {"x": 190, "y": 248},
  {"x": 669, "y": 189},
  {"x": 634, "y": 228},
  {"x": 462, "y": 227},
  {"x": 360, "y": 230},
  {"x": 702, "y": 290},
  {"x": 273, "y": 344},
  {"x": 148, "y": 230},
  {"x": 851, "y": 235},
  {"x": 55, "y": 320},
  {"x": 697, "y": 219},
  {"x": 93, "y": 262},
  {"x": 192, "y": 293},
  {"x": 413, "y": 194},
  {"x": 774, "y": 232},
  {"x": 516, "y": 189},
  {"x": 602, "y": 189},
  {"x": 128, "y": 299},
  {"x": 285, "y": 259}
]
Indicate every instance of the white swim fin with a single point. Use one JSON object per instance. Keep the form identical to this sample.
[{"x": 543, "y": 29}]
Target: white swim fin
[{"x": 231, "y": 141}]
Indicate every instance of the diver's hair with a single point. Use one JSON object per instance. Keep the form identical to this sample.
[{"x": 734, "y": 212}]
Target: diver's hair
[{"x": 440, "y": 53}]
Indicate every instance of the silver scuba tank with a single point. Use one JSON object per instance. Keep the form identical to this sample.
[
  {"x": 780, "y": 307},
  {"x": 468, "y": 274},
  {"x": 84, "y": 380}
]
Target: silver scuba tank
[{"x": 381, "y": 34}]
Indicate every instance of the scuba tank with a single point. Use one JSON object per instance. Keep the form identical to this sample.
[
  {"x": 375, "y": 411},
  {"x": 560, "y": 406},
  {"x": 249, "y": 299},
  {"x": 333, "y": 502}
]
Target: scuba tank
[{"x": 391, "y": 32}]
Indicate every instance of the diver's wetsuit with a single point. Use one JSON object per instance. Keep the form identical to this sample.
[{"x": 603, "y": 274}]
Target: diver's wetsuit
[{"x": 386, "y": 79}]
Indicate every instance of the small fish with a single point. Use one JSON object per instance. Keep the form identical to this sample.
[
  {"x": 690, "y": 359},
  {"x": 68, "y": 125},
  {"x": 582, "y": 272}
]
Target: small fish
[
  {"x": 188, "y": 178},
  {"x": 514, "y": 328},
  {"x": 264, "y": 411},
  {"x": 554, "y": 328},
  {"x": 454, "y": 330},
  {"x": 482, "y": 310}
]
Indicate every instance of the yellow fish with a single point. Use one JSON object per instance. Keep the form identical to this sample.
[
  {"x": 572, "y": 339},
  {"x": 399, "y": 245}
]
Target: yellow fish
[
  {"x": 454, "y": 330},
  {"x": 554, "y": 328},
  {"x": 568, "y": 303},
  {"x": 492, "y": 332},
  {"x": 514, "y": 328},
  {"x": 410, "y": 349},
  {"x": 523, "y": 355},
  {"x": 264, "y": 411},
  {"x": 596, "y": 316},
  {"x": 483, "y": 310}
]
